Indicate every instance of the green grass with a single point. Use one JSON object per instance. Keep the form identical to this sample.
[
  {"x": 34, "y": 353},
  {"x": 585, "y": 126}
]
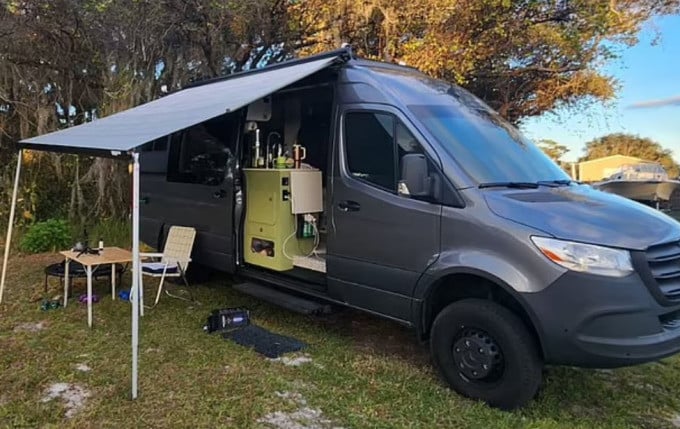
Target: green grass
[{"x": 366, "y": 372}]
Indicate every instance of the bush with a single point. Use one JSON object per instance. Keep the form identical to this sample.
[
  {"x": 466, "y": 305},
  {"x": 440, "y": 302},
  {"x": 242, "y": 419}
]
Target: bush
[{"x": 51, "y": 235}]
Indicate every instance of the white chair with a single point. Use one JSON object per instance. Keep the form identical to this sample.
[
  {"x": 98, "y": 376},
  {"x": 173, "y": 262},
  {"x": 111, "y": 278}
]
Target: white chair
[{"x": 174, "y": 260}]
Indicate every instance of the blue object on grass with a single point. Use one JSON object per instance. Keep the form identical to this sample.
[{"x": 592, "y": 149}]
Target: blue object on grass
[{"x": 124, "y": 295}]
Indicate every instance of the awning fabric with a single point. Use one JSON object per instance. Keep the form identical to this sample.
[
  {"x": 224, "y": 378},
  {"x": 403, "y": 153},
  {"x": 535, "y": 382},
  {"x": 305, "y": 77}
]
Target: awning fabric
[{"x": 127, "y": 130}]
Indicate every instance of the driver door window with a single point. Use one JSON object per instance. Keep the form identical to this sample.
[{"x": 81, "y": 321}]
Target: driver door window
[
  {"x": 374, "y": 146},
  {"x": 369, "y": 148}
]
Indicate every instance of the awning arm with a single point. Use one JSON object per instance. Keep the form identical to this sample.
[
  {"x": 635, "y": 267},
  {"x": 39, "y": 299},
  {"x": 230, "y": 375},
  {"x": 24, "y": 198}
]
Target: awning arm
[
  {"x": 136, "y": 273},
  {"x": 10, "y": 224}
]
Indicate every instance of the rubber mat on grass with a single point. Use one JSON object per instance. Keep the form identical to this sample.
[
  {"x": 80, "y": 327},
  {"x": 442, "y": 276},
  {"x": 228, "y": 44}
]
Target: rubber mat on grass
[{"x": 264, "y": 342}]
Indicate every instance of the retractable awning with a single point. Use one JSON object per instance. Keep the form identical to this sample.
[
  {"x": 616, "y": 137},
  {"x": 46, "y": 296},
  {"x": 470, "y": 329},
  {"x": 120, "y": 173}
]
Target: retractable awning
[
  {"x": 124, "y": 131},
  {"x": 119, "y": 134}
]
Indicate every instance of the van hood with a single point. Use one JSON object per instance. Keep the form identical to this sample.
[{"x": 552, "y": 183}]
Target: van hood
[{"x": 581, "y": 213}]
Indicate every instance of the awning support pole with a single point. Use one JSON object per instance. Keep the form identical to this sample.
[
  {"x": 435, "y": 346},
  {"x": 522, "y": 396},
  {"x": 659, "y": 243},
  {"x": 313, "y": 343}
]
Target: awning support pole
[
  {"x": 135, "y": 271},
  {"x": 10, "y": 224}
]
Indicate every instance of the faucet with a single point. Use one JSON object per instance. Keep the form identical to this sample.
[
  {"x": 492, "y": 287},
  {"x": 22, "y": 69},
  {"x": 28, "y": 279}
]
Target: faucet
[{"x": 271, "y": 155}]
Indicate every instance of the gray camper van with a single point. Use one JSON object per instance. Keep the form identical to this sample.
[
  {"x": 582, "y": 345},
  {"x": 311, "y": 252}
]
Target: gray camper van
[{"x": 373, "y": 186}]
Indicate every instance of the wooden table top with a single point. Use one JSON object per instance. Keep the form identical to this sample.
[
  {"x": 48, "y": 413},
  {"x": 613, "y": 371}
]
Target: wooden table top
[{"x": 110, "y": 255}]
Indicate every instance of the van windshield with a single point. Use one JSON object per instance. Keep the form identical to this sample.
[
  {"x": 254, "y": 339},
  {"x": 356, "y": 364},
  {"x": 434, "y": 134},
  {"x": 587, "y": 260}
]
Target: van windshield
[{"x": 487, "y": 147}]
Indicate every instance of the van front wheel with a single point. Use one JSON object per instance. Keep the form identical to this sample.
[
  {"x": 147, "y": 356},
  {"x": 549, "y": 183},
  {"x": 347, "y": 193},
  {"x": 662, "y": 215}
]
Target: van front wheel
[{"x": 485, "y": 352}]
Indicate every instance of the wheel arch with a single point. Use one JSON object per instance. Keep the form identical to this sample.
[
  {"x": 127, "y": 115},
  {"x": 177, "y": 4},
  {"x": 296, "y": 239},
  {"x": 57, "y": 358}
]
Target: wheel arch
[{"x": 461, "y": 283}]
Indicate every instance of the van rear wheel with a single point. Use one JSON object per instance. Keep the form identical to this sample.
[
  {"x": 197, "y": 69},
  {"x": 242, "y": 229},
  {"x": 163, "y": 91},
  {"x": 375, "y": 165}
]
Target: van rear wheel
[{"x": 485, "y": 352}]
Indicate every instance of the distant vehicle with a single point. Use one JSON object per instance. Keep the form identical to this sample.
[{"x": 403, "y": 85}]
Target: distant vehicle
[
  {"x": 411, "y": 199},
  {"x": 646, "y": 182}
]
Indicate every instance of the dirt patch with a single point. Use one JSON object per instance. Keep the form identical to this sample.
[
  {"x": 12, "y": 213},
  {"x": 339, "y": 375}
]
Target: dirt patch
[
  {"x": 73, "y": 396},
  {"x": 292, "y": 396},
  {"x": 83, "y": 367},
  {"x": 304, "y": 417},
  {"x": 293, "y": 360},
  {"x": 377, "y": 336},
  {"x": 675, "y": 421},
  {"x": 30, "y": 327}
]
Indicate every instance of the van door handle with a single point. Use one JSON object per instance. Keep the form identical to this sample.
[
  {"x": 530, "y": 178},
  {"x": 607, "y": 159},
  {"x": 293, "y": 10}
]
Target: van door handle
[
  {"x": 220, "y": 194},
  {"x": 349, "y": 206}
]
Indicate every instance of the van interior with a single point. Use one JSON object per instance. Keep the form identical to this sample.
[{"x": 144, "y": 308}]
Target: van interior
[{"x": 285, "y": 165}]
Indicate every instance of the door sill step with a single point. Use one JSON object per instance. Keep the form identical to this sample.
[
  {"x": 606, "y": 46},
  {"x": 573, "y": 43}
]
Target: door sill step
[
  {"x": 313, "y": 263},
  {"x": 283, "y": 299}
]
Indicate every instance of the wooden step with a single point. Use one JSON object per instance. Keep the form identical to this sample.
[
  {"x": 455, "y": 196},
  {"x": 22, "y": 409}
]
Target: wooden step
[{"x": 283, "y": 299}]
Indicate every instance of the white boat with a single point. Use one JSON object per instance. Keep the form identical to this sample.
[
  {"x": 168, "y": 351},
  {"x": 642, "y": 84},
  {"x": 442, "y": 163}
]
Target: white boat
[{"x": 647, "y": 181}]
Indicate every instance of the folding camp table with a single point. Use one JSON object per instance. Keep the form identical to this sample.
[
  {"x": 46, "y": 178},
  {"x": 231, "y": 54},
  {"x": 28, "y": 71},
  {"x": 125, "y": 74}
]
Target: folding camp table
[{"x": 107, "y": 256}]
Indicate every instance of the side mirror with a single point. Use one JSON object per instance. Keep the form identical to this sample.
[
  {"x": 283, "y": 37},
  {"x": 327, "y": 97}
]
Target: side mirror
[{"x": 415, "y": 178}]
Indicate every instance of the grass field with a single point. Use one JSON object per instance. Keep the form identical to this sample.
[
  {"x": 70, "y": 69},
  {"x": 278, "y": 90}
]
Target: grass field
[{"x": 364, "y": 372}]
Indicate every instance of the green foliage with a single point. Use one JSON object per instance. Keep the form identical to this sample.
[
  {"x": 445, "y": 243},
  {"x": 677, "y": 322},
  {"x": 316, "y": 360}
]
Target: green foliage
[
  {"x": 51, "y": 235},
  {"x": 632, "y": 145},
  {"x": 523, "y": 57}
]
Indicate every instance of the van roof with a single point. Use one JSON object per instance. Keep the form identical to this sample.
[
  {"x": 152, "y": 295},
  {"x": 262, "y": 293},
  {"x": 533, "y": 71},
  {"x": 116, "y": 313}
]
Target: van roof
[{"x": 344, "y": 55}]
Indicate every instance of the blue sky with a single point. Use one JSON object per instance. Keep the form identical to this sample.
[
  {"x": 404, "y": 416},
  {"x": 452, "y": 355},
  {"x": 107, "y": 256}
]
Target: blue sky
[{"x": 645, "y": 72}]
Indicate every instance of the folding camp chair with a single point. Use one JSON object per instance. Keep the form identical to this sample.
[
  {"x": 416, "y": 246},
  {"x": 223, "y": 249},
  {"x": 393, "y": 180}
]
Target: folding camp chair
[{"x": 174, "y": 260}]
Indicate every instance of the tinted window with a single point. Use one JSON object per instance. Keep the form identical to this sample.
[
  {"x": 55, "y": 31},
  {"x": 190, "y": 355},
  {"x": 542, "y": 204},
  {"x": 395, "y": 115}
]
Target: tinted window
[
  {"x": 153, "y": 157},
  {"x": 158, "y": 145},
  {"x": 200, "y": 153},
  {"x": 487, "y": 147},
  {"x": 406, "y": 143},
  {"x": 369, "y": 146}
]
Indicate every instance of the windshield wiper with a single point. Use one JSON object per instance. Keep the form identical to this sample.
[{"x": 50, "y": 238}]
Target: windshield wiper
[
  {"x": 560, "y": 182},
  {"x": 519, "y": 185},
  {"x": 527, "y": 185}
]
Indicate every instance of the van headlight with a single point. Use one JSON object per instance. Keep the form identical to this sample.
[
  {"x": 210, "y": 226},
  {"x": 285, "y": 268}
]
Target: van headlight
[{"x": 587, "y": 258}]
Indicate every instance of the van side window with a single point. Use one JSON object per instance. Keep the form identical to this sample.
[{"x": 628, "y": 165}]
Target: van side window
[
  {"x": 369, "y": 146},
  {"x": 158, "y": 145},
  {"x": 153, "y": 156},
  {"x": 199, "y": 154}
]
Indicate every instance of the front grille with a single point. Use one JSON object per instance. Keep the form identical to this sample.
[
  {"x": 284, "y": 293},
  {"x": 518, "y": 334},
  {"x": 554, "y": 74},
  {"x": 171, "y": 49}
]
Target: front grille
[
  {"x": 664, "y": 264},
  {"x": 670, "y": 321}
]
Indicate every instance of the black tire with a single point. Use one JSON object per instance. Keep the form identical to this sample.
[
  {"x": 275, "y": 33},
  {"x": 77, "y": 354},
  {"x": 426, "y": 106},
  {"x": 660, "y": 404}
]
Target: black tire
[{"x": 508, "y": 353}]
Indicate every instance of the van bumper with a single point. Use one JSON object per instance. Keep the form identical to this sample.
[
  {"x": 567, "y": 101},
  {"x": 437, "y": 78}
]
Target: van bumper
[{"x": 603, "y": 322}]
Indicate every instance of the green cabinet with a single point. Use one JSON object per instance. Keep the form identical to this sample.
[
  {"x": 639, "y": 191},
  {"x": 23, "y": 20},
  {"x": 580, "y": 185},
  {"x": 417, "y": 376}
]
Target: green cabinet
[{"x": 270, "y": 223}]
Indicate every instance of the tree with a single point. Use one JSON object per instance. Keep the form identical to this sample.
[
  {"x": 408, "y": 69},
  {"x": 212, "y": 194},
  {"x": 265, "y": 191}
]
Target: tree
[
  {"x": 631, "y": 145},
  {"x": 553, "y": 149},
  {"x": 65, "y": 62},
  {"x": 523, "y": 57}
]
